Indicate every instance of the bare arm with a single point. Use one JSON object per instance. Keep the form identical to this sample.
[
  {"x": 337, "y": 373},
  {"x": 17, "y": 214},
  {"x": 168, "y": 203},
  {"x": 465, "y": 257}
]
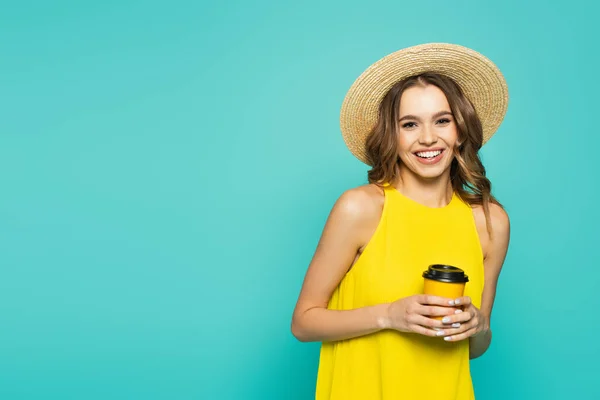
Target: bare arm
[
  {"x": 494, "y": 259},
  {"x": 352, "y": 221}
]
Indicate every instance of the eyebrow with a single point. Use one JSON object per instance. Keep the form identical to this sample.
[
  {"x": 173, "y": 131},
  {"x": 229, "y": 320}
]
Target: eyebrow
[{"x": 436, "y": 115}]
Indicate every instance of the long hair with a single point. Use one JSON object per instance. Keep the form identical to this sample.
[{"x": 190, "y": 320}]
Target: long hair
[{"x": 467, "y": 173}]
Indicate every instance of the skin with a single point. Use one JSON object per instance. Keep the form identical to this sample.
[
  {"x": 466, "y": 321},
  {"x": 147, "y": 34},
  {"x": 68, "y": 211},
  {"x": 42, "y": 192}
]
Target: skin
[{"x": 425, "y": 123}]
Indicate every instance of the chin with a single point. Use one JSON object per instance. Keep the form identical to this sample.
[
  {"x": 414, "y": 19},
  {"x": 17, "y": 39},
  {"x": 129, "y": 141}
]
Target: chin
[{"x": 430, "y": 173}]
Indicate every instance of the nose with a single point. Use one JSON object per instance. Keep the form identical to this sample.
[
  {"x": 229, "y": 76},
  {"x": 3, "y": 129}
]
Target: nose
[{"x": 427, "y": 135}]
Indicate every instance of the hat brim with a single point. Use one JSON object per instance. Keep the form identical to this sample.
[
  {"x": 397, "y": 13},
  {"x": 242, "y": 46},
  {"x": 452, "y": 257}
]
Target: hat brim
[{"x": 478, "y": 77}]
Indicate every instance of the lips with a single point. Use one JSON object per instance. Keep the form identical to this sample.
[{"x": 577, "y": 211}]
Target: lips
[
  {"x": 428, "y": 153},
  {"x": 430, "y": 156}
]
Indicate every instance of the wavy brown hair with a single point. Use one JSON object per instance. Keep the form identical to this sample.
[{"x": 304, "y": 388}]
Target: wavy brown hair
[{"x": 467, "y": 173}]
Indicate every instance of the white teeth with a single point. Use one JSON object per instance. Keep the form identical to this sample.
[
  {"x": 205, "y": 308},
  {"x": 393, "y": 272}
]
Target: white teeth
[{"x": 429, "y": 154}]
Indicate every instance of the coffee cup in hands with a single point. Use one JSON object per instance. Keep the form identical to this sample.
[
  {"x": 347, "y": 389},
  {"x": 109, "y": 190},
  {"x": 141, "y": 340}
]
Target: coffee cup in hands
[{"x": 444, "y": 281}]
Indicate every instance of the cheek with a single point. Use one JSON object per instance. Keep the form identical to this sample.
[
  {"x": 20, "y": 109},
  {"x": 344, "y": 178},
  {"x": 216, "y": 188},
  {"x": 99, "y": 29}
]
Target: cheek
[
  {"x": 451, "y": 134},
  {"x": 403, "y": 142}
]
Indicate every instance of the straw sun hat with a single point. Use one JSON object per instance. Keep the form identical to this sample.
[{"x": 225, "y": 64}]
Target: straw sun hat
[{"x": 479, "y": 79}]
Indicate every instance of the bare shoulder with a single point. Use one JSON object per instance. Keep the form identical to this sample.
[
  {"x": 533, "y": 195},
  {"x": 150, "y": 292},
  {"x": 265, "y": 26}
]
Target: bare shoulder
[
  {"x": 359, "y": 209},
  {"x": 498, "y": 215},
  {"x": 500, "y": 225},
  {"x": 361, "y": 202},
  {"x": 352, "y": 220}
]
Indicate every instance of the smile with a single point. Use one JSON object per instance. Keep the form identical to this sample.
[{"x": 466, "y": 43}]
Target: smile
[
  {"x": 429, "y": 154},
  {"x": 430, "y": 157}
]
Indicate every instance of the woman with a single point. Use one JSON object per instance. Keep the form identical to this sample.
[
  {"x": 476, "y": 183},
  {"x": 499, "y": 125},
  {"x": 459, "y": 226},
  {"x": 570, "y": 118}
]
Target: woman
[{"x": 418, "y": 117}]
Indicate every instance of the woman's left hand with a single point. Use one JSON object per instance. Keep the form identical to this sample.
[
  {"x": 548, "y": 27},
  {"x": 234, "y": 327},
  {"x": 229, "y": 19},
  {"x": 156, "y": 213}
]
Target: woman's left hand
[{"x": 465, "y": 324}]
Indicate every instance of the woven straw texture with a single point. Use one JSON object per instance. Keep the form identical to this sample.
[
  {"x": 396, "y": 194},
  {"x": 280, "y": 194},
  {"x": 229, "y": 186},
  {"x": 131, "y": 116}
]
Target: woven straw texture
[{"x": 478, "y": 77}]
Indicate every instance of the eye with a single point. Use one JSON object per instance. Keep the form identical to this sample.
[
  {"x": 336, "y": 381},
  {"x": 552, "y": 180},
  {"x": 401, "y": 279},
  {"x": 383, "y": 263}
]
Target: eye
[
  {"x": 443, "y": 121},
  {"x": 408, "y": 125}
]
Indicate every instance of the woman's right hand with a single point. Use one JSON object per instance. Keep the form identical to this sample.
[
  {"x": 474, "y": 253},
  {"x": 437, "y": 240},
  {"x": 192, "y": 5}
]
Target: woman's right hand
[{"x": 413, "y": 314}]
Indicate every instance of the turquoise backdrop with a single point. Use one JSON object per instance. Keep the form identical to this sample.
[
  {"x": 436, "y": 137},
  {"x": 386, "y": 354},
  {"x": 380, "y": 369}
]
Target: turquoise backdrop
[{"x": 167, "y": 167}]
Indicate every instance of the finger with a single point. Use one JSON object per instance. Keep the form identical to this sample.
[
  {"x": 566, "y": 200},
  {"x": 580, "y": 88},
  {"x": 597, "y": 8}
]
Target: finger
[
  {"x": 435, "y": 311},
  {"x": 461, "y": 317},
  {"x": 461, "y": 301},
  {"x": 424, "y": 321},
  {"x": 429, "y": 299},
  {"x": 457, "y": 328},
  {"x": 461, "y": 336},
  {"x": 421, "y": 330}
]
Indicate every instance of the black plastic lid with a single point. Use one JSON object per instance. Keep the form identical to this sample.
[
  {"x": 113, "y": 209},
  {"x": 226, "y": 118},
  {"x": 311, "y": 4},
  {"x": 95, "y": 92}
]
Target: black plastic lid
[{"x": 445, "y": 273}]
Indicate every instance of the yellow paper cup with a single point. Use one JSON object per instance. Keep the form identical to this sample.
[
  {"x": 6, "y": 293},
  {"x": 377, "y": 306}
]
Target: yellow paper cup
[{"x": 444, "y": 281}]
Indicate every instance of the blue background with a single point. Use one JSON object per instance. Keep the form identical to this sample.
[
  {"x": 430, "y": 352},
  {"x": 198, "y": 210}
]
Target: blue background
[{"x": 167, "y": 167}]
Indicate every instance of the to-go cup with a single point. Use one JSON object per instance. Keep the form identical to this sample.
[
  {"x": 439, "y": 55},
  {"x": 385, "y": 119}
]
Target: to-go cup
[{"x": 445, "y": 281}]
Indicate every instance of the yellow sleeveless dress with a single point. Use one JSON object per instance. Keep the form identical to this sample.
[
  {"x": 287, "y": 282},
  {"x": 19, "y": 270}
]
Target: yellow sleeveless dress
[{"x": 390, "y": 365}]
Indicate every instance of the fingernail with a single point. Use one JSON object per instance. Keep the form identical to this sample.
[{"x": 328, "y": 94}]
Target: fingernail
[
  {"x": 456, "y": 325},
  {"x": 457, "y": 302},
  {"x": 440, "y": 333},
  {"x": 457, "y": 311},
  {"x": 451, "y": 302},
  {"x": 448, "y": 338},
  {"x": 445, "y": 320}
]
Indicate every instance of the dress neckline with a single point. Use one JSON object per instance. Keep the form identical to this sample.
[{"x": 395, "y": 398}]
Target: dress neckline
[{"x": 422, "y": 206}]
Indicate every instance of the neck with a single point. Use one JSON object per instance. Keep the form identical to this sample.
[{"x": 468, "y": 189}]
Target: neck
[{"x": 431, "y": 192}]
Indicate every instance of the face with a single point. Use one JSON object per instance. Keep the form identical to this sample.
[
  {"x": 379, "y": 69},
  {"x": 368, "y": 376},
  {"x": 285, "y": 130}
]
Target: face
[{"x": 426, "y": 132}]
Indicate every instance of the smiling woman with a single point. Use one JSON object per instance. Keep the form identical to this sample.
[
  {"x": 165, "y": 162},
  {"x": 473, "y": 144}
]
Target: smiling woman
[
  {"x": 433, "y": 111},
  {"x": 422, "y": 126},
  {"x": 418, "y": 117}
]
